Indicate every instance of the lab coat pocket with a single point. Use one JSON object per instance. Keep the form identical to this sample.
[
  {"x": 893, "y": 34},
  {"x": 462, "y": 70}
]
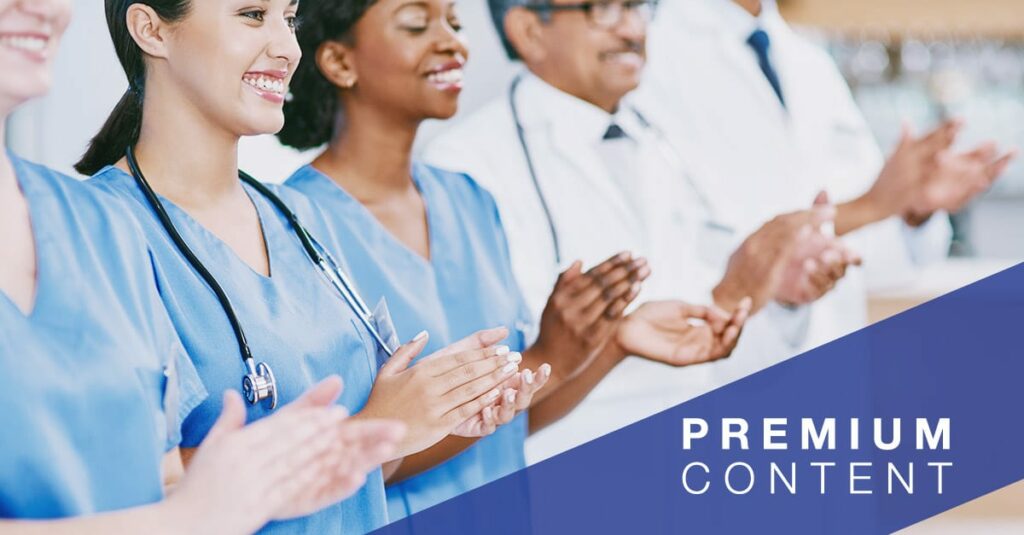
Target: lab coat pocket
[{"x": 715, "y": 244}]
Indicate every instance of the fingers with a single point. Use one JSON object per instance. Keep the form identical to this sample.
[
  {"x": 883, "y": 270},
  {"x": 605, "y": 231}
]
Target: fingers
[
  {"x": 477, "y": 340},
  {"x": 998, "y": 167},
  {"x": 322, "y": 394},
  {"x": 568, "y": 276},
  {"x": 467, "y": 362},
  {"x": 597, "y": 309},
  {"x": 290, "y": 440},
  {"x": 532, "y": 383},
  {"x": 474, "y": 388},
  {"x": 742, "y": 312},
  {"x": 506, "y": 411},
  {"x": 941, "y": 138},
  {"x": 405, "y": 355},
  {"x": 465, "y": 411},
  {"x": 606, "y": 272},
  {"x": 232, "y": 417}
]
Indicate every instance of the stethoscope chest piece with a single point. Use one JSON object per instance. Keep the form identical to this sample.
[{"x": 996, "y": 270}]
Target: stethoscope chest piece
[{"x": 259, "y": 385}]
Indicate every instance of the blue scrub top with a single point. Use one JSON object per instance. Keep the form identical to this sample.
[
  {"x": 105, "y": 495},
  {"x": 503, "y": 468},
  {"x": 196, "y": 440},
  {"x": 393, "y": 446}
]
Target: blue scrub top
[
  {"x": 293, "y": 321},
  {"x": 95, "y": 378},
  {"x": 466, "y": 286}
]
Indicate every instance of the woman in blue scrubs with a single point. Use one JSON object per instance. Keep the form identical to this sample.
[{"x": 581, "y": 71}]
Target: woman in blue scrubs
[
  {"x": 431, "y": 242},
  {"x": 233, "y": 272},
  {"x": 96, "y": 380}
]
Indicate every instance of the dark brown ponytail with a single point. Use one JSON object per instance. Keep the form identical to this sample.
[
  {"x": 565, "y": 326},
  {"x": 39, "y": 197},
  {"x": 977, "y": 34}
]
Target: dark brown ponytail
[{"x": 121, "y": 129}]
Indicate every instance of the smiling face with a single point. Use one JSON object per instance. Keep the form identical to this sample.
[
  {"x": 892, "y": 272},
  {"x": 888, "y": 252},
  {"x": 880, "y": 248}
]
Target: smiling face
[
  {"x": 30, "y": 32},
  {"x": 600, "y": 65},
  {"x": 408, "y": 57},
  {"x": 233, "y": 60}
]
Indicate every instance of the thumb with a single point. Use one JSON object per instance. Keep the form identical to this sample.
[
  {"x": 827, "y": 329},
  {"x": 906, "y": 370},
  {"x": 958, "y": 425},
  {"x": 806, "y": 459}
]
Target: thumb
[
  {"x": 570, "y": 274},
  {"x": 822, "y": 214},
  {"x": 321, "y": 394},
  {"x": 821, "y": 199},
  {"x": 232, "y": 416},
  {"x": 403, "y": 357}
]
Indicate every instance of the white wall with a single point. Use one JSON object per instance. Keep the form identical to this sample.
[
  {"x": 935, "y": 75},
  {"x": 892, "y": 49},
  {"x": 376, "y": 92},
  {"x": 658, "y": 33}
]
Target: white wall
[
  {"x": 487, "y": 74},
  {"x": 88, "y": 82}
]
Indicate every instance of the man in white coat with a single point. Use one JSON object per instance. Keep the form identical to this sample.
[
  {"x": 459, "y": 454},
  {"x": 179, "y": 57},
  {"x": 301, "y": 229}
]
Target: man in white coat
[
  {"x": 579, "y": 173},
  {"x": 774, "y": 121}
]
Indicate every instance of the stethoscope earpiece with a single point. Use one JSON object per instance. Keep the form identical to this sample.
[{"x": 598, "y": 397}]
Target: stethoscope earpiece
[{"x": 260, "y": 385}]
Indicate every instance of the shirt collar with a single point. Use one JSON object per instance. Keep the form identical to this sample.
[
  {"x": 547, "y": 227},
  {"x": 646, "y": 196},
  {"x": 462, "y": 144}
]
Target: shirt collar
[
  {"x": 736, "y": 21},
  {"x": 569, "y": 115}
]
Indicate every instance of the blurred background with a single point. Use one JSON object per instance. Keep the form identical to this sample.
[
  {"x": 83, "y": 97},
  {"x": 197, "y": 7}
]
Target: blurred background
[{"x": 905, "y": 60}]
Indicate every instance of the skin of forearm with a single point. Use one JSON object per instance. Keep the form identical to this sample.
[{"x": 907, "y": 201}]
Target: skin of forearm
[
  {"x": 417, "y": 463},
  {"x": 857, "y": 214},
  {"x": 563, "y": 399}
]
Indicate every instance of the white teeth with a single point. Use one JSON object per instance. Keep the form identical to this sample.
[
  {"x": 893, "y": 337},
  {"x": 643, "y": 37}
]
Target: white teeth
[
  {"x": 263, "y": 83},
  {"x": 29, "y": 44},
  {"x": 452, "y": 76}
]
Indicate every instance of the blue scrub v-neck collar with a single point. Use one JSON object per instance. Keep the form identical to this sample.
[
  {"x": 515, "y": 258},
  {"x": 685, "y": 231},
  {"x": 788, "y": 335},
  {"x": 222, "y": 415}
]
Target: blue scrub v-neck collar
[
  {"x": 255, "y": 198},
  {"x": 41, "y": 241},
  {"x": 424, "y": 190}
]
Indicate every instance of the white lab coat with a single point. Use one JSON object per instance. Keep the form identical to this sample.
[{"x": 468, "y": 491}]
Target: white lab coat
[
  {"x": 652, "y": 211},
  {"x": 709, "y": 93}
]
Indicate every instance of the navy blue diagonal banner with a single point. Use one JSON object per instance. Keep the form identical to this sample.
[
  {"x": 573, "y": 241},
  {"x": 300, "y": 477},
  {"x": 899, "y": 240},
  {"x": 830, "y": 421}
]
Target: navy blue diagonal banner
[{"x": 946, "y": 376}]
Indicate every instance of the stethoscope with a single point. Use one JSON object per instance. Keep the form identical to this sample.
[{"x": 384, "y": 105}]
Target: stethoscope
[
  {"x": 259, "y": 384},
  {"x": 667, "y": 151}
]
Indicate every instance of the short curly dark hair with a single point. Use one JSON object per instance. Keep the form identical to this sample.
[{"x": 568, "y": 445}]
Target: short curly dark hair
[{"x": 310, "y": 112}]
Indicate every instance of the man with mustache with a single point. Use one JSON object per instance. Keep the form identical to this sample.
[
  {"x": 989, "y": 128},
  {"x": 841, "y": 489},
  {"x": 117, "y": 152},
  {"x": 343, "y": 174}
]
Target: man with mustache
[{"x": 580, "y": 173}]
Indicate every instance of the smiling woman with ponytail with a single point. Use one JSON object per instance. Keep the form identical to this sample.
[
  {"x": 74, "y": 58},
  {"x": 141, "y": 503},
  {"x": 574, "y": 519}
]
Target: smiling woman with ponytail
[{"x": 232, "y": 273}]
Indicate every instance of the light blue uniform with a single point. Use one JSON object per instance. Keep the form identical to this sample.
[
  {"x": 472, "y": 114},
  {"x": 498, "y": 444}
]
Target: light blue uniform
[
  {"x": 293, "y": 321},
  {"x": 467, "y": 286},
  {"x": 96, "y": 381}
]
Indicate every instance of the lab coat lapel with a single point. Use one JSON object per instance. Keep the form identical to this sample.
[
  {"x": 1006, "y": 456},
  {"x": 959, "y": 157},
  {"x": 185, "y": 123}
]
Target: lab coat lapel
[
  {"x": 581, "y": 154},
  {"x": 738, "y": 58}
]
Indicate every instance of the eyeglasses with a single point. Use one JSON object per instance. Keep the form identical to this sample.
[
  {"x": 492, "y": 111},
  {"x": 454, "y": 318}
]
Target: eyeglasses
[{"x": 606, "y": 14}]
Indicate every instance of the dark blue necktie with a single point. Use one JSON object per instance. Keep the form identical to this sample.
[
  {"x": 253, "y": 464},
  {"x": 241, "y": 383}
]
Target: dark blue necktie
[
  {"x": 761, "y": 43},
  {"x": 614, "y": 132}
]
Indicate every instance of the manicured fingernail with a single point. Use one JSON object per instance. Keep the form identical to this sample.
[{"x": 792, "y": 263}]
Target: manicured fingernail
[
  {"x": 545, "y": 369},
  {"x": 492, "y": 395},
  {"x": 510, "y": 396},
  {"x": 528, "y": 377},
  {"x": 487, "y": 413},
  {"x": 501, "y": 350},
  {"x": 420, "y": 336},
  {"x": 514, "y": 357},
  {"x": 509, "y": 368}
]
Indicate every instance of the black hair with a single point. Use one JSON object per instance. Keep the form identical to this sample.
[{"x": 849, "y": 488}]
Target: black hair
[
  {"x": 122, "y": 127},
  {"x": 311, "y": 110},
  {"x": 499, "y": 9}
]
